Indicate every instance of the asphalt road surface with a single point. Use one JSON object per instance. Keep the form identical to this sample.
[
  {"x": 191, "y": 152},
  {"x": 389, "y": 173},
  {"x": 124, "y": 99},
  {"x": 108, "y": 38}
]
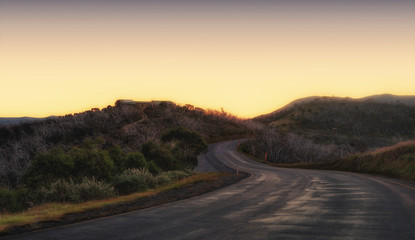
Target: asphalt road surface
[{"x": 274, "y": 203}]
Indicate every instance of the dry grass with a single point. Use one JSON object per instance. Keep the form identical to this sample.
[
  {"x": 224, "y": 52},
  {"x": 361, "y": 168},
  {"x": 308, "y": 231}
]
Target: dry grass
[
  {"x": 55, "y": 211},
  {"x": 390, "y": 148},
  {"x": 396, "y": 161}
]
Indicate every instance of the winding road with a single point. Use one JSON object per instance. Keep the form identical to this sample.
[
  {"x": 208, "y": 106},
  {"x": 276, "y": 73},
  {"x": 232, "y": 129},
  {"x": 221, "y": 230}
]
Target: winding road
[{"x": 274, "y": 203}]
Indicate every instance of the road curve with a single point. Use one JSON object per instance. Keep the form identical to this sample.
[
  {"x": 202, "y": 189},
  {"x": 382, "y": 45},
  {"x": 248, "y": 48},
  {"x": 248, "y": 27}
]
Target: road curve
[{"x": 274, "y": 203}]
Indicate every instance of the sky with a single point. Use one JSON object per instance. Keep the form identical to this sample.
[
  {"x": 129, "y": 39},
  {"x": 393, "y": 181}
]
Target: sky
[{"x": 247, "y": 57}]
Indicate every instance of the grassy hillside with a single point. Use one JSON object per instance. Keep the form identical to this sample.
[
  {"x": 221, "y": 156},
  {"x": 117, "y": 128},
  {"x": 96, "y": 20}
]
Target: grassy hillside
[
  {"x": 395, "y": 161},
  {"x": 362, "y": 124}
]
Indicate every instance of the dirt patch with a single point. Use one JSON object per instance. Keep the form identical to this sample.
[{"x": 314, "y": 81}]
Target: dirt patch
[{"x": 187, "y": 191}]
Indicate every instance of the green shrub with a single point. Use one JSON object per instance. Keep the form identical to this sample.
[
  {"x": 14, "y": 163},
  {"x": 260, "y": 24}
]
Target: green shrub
[
  {"x": 163, "y": 179},
  {"x": 92, "y": 162},
  {"x": 90, "y": 189},
  {"x": 118, "y": 157},
  {"x": 172, "y": 176},
  {"x": 178, "y": 175},
  {"x": 13, "y": 200},
  {"x": 47, "y": 167},
  {"x": 134, "y": 180},
  {"x": 186, "y": 145},
  {"x": 161, "y": 155},
  {"x": 185, "y": 136},
  {"x": 135, "y": 160},
  {"x": 153, "y": 168},
  {"x": 86, "y": 161},
  {"x": 69, "y": 191}
]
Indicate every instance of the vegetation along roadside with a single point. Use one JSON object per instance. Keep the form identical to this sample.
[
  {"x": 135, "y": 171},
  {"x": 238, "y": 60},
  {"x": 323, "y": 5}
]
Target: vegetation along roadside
[
  {"x": 102, "y": 162},
  {"x": 56, "y": 214},
  {"x": 397, "y": 161}
]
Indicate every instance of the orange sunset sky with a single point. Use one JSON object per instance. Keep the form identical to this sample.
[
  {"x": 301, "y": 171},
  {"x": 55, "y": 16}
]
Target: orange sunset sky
[{"x": 247, "y": 57}]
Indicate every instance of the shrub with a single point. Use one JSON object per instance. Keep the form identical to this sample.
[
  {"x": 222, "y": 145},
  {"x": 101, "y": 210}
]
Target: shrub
[
  {"x": 187, "y": 145},
  {"x": 163, "y": 179},
  {"x": 68, "y": 191},
  {"x": 135, "y": 160},
  {"x": 245, "y": 148},
  {"x": 134, "y": 180},
  {"x": 172, "y": 176},
  {"x": 47, "y": 167},
  {"x": 153, "y": 168},
  {"x": 118, "y": 157},
  {"x": 178, "y": 175},
  {"x": 92, "y": 162},
  {"x": 161, "y": 155},
  {"x": 13, "y": 200}
]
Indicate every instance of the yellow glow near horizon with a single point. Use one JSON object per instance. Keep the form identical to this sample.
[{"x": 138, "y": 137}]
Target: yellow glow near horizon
[{"x": 247, "y": 64}]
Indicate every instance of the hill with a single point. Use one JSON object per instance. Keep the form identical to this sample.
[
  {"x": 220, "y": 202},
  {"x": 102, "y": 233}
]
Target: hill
[
  {"x": 8, "y": 121},
  {"x": 361, "y": 123},
  {"x": 380, "y": 98},
  {"x": 389, "y": 98},
  {"x": 317, "y": 129},
  {"x": 125, "y": 127}
]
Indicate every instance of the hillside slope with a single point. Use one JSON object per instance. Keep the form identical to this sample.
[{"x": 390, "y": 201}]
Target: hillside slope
[
  {"x": 380, "y": 98},
  {"x": 128, "y": 127},
  {"x": 361, "y": 123},
  {"x": 394, "y": 161}
]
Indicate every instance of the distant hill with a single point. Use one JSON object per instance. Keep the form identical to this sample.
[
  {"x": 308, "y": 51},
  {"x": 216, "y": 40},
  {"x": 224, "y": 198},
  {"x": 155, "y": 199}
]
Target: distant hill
[
  {"x": 389, "y": 98},
  {"x": 364, "y": 123},
  {"x": 8, "y": 121},
  {"x": 381, "y": 98}
]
